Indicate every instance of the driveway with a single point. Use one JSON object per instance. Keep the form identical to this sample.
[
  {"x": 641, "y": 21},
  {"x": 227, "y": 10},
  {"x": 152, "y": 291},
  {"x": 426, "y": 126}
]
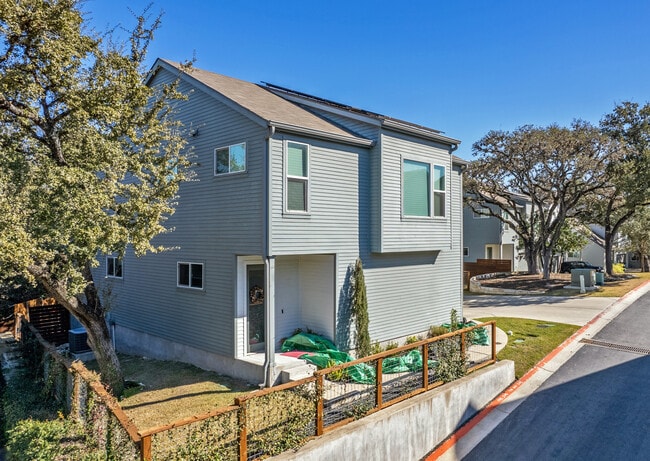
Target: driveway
[{"x": 574, "y": 310}]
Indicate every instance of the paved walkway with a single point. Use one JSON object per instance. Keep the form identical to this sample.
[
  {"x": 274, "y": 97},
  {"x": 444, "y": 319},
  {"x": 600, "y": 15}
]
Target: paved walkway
[{"x": 575, "y": 310}]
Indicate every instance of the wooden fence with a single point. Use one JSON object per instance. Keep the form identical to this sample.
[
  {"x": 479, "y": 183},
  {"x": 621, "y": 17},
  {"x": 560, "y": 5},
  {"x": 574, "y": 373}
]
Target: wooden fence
[
  {"x": 50, "y": 319},
  {"x": 267, "y": 422},
  {"x": 484, "y": 266}
]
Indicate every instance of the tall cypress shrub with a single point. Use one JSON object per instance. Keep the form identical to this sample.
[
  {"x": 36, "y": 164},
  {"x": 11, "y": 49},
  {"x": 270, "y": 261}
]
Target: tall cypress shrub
[{"x": 360, "y": 310}]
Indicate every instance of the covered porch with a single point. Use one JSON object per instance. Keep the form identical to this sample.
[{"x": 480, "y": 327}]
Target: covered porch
[{"x": 275, "y": 297}]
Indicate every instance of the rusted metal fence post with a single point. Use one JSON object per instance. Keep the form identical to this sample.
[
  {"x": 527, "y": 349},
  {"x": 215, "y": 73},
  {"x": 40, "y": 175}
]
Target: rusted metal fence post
[
  {"x": 379, "y": 372},
  {"x": 241, "y": 421},
  {"x": 319, "y": 405},
  {"x": 145, "y": 448},
  {"x": 425, "y": 367},
  {"x": 494, "y": 339}
]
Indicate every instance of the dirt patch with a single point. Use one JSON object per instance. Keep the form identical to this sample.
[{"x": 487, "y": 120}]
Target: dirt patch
[{"x": 529, "y": 282}]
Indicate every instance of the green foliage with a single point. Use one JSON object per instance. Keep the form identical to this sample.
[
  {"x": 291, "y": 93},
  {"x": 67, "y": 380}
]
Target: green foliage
[
  {"x": 91, "y": 157},
  {"x": 337, "y": 375},
  {"x": 360, "y": 311},
  {"x": 452, "y": 360},
  {"x": 553, "y": 167},
  {"x": 618, "y": 268},
  {"x": 48, "y": 440},
  {"x": 573, "y": 237},
  {"x": 391, "y": 345},
  {"x": 437, "y": 330},
  {"x": 637, "y": 230},
  {"x": 412, "y": 339}
]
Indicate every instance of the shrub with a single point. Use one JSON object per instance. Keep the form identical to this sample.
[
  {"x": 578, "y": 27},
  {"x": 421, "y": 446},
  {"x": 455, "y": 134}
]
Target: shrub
[
  {"x": 437, "y": 330},
  {"x": 412, "y": 339},
  {"x": 618, "y": 268}
]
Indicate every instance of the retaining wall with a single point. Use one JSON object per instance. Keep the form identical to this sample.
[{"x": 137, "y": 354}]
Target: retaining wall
[{"x": 412, "y": 428}]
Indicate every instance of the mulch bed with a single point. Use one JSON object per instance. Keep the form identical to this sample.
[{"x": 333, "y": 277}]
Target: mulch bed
[{"x": 529, "y": 282}]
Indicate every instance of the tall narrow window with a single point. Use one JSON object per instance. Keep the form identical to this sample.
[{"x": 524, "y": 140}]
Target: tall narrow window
[
  {"x": 416, "y": 191},
  {"x": 113, "y": 267},
  {"x": 230, "y": 159},
  {"x": 190, "y": 275},
  {"x": 297, "y": 171},
  {"x": 439, "y": 190}
]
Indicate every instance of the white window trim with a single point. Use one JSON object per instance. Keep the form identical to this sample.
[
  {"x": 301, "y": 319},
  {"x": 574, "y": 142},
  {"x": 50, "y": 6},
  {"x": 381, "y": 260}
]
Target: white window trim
[
  {"x": 432, "y": 191},
  {"x": 479, "y": 215},
  {"x": 189, "y": 286},
  {"x": 116, "y": 258},
  {"x": 214, "y": 165},
  {"x": 302, "y": 178}
]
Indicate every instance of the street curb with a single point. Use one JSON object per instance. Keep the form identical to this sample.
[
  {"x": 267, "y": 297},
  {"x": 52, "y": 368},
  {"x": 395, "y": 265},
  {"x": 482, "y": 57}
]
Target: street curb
[{"x": 444, "y": 448}]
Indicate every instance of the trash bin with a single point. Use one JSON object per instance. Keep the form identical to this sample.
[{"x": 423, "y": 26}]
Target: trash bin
[{"x": 600, "y": 278}]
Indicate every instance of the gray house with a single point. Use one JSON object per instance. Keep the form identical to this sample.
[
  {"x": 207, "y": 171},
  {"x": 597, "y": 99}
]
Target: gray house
[
  {"x": 290, "y": 190},
  {"x": 488, "y": 237}
]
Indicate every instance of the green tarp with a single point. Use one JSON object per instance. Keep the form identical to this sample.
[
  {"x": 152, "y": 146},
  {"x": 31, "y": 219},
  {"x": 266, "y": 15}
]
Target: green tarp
[{"x": 323, "y": 354}]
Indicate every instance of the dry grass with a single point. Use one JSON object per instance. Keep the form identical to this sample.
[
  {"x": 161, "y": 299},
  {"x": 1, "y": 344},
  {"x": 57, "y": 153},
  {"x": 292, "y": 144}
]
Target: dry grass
[
  {"x": 171, "y": 391},
  {"x": 618, "y": 287}
]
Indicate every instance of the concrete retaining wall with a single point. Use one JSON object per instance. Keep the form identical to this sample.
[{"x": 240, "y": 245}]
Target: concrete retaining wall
[
  {"x": 411, "y": 429},
  {"x": 476, "y": 287}
]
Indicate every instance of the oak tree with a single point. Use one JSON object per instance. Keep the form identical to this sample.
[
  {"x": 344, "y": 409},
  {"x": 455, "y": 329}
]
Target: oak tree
[
  {"x": 90, "y": 159},
  {"x": 552, "y": 168}
]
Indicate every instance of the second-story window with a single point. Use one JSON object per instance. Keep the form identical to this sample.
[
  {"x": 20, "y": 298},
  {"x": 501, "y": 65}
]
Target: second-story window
[
  {"x": 416, "y": 188},
  {"x": 423, "y": 194},
  {"x": 439, "y": 191},
  {"x": 297, "y": 177},
  {"x": 230, "y": 159}
]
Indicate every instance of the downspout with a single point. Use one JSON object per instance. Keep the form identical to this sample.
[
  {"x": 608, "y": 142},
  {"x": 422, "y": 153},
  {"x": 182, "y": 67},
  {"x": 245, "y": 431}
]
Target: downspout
[{"x": 269, "y": 271}]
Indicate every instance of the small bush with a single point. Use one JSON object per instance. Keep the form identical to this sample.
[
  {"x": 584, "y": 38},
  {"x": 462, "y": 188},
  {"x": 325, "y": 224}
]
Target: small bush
[
  {"x": 618, "y": 268},
  {"x": 437, "y": 330},
  {"x": 412, "y": 339},
  {"x": 391, "y": 345}
]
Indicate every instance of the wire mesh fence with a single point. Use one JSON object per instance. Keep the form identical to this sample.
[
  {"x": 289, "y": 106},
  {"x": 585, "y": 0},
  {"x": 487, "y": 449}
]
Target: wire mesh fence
[{"x": 270, "y": 421}]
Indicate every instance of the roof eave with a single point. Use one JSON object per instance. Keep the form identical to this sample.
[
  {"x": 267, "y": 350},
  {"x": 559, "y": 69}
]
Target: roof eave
[
  {"x": 421, "y": 132},
  {"x": 351, "y": 140}
]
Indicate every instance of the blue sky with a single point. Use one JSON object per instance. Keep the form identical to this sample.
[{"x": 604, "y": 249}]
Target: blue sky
[{"x": 462, "y": 67}]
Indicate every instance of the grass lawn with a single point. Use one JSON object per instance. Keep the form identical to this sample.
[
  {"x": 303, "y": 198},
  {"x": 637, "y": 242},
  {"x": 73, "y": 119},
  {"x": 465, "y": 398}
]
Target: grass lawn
[
  {"x": 531, "y": 340},
  {"x": 173, "y": 390},
  {"x": 617, "y": 288}
]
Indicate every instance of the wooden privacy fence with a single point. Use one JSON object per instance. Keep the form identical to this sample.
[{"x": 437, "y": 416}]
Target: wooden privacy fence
[
  {"x": 270, "y": 421},
  {"x": 50, "y": 319},
  {"x": 484, "y": 266}
]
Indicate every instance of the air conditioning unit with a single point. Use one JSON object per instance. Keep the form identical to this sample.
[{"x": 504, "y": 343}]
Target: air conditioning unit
[{"x": 78, "y": 339}]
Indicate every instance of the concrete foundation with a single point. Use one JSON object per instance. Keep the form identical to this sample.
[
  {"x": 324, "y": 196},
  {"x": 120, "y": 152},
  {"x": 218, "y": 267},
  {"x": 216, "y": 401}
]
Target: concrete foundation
[{"x": 412, "y": 428}]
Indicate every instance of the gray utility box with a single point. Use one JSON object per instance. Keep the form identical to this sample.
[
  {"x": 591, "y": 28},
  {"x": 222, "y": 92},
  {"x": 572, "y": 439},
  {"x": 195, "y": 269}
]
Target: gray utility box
[{"x": 589, "y": 274}]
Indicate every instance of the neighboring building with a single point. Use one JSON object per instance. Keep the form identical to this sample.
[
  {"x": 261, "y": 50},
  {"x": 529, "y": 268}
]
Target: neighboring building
[
  {"x": 488, "y": 237},
  {"x": 594, "y": 251},
  {"x": 290, "y": 190}
]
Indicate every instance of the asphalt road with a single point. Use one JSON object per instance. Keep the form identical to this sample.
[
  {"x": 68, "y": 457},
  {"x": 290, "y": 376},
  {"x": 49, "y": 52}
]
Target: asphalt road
[{"x": 594, "y": 407}]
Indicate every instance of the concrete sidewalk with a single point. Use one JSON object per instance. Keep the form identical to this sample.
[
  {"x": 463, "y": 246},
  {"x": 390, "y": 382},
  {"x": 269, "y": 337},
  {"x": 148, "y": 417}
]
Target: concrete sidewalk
[
  {"x": 574, "y": 310},
  {"x": 542, "y": 308}
]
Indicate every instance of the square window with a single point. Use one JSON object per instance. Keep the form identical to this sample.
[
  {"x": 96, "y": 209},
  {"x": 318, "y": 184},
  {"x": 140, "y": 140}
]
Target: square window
[
  {"x": 230, "y": 159},
  {"x": 113, "y": 267},
  {"x": 190, "y": 275},
  {"x": 297, "y": 177}
]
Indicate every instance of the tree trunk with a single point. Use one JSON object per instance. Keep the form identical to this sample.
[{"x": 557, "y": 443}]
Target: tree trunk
[
  {"x": 547, "y": 256},
  {"x": 609, "y": 244},
  {"x": 91, "y": 315}
]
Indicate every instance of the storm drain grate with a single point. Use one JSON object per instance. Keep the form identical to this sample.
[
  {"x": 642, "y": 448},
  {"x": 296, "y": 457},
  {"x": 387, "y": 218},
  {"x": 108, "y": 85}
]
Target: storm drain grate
[{"x": 620, "y": 347}]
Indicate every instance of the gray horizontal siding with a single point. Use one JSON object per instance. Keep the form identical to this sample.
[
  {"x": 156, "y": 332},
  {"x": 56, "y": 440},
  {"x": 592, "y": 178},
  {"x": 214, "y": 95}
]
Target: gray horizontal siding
[
  {"x": 216, "y": 219},
  {"x": 409, "y": 293},
  {"x": 400, "y": 234},
  {"x": 332, "y": 224}
]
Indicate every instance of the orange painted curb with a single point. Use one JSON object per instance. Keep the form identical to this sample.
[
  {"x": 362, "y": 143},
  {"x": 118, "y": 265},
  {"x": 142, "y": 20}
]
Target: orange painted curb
[{"x": 467, "y": 427}]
